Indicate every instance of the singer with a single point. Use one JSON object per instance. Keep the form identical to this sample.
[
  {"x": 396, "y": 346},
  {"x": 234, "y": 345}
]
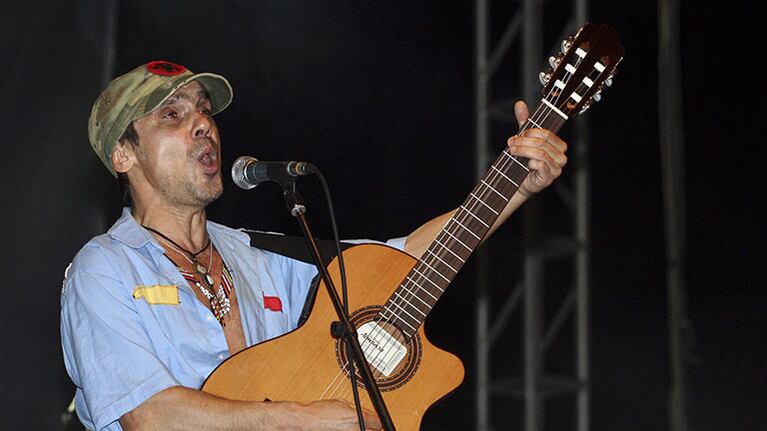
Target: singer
[{"x": 152, "y": 306}]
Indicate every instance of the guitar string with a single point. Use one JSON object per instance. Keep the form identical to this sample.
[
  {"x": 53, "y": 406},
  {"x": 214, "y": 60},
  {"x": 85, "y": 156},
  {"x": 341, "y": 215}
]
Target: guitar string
[
  {"x": 459, "y": 218},
  {"x": 493, "y": 177},
  {"x": 473, "y": 205},
  {"x": 512, "y": 159},
  {"x": 412, "y": 293},
  {"x": 402, "y": 301},
  {"x": 433, "y": 260}
]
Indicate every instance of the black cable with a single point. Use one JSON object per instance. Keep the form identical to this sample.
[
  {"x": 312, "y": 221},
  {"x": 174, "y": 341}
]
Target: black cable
[{"x": 344, "y": 295}]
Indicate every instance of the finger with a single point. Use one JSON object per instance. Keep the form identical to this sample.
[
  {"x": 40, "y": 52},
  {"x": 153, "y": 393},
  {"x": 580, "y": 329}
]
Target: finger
[
  {"x": 548, "y": 136},
  {"x": 371, "y": 420},
  {"x": 521, "y": 112},
  {"x": 537, "y": 149},
  {"x": 545, "y": 168}
]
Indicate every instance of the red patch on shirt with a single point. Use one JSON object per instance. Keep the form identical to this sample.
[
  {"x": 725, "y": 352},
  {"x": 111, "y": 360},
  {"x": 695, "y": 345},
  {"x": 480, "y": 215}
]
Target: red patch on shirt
[
  {"x": 165, "y": 68},
  {"x": 272, "y": 303}
]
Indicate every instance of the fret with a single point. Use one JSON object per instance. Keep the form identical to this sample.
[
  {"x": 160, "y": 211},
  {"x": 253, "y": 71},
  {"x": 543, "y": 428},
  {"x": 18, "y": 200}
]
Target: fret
[
  {"x": 475, "y": 216},
  {"x": 467, "y": 229},
  {"x": 459, "y": 241},
  {"x": 437, "y": 272},
  {"x": 534, "y": 123},
  {"x": 414, "y": 294},
  {"x": 483, "y": 203},
  {"x": 407, "y": 301},
  {"x": 496, "y": 191},
  {"x": 429, "y": 280},
  {"x": 394, "y": 303},
  {"x": 515, "y": 160},
  {"x": 449, "y": 250},
  {"x": 422, "y": 288},
  {"x": 440, "y": 259},
  {"x": 504, "y": 175},
  {"x": 393, "y": 316}
]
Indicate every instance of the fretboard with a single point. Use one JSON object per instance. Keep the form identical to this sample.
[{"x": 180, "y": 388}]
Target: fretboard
[{"x": 421, "y": 289}]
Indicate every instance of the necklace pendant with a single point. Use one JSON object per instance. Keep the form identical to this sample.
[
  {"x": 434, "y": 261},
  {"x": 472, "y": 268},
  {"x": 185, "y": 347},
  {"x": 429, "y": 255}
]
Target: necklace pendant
[
  {"x": 202, "y": 269},
  {"x": 209, "y": 279}
]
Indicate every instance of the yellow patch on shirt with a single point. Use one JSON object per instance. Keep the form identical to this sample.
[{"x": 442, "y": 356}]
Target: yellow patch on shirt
[{"x": 162, "y": 294}]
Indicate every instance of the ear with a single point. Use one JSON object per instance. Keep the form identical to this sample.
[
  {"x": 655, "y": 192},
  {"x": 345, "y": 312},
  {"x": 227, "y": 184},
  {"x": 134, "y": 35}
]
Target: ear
[{"x": 123, "y": 157}]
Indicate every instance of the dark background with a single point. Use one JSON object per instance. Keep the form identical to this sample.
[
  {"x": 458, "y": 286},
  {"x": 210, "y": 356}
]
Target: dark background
[{"x": 380, "y": 96}]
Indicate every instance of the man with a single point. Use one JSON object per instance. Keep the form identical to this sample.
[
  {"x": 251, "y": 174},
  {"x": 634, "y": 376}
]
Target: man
[{"x": 150, "y": 308}]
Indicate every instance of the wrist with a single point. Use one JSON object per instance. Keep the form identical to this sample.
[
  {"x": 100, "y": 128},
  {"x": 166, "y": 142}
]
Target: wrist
[
  {"x": 287, "y": 415},
  {"x": 524, "y": 192}
]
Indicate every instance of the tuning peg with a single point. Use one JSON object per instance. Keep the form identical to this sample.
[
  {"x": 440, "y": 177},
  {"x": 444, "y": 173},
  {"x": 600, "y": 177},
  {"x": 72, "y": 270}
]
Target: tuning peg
[
  {"x": 544, "y": 78},
  {"x": 609, "y": 81},
  {"x": 554, "y": 61},
  {"x": 585, "y": 107},
  {"x": 566, "y": 44},
  {"x": 597, "y": 96}
]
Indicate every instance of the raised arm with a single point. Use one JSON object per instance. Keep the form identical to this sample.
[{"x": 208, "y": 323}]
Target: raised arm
[{"x": 546, "y": 152}]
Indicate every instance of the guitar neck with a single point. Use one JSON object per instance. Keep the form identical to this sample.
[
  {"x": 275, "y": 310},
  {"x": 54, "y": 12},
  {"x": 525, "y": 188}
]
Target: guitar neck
[{"x": 464, "y": 231}]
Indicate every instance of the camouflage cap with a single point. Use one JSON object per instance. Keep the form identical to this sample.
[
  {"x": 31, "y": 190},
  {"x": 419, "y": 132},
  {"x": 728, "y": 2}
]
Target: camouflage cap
[{"x": 139, "y": 92}]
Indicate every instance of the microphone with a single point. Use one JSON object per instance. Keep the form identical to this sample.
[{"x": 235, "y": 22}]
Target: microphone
[{"x": 248, "y": 172}]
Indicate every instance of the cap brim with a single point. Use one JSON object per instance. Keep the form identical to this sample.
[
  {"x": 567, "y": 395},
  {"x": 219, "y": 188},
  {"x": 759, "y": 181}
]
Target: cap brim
[{"x": 218, "y": 88}]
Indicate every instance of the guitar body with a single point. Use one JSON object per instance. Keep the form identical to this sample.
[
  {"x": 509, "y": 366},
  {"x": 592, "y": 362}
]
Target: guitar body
[{"x": 304, "y": 365}]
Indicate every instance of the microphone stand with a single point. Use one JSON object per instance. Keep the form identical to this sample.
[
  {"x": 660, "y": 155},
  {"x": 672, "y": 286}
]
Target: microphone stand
[{"x": 343, "y": 328}]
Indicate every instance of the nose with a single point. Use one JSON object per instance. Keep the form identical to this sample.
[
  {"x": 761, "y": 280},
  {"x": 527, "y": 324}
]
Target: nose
[{"x": 203, "y": 124}]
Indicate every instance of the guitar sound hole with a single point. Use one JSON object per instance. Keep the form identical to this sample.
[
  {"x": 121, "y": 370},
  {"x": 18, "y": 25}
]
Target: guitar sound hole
[{"x": 393, "y": 358}]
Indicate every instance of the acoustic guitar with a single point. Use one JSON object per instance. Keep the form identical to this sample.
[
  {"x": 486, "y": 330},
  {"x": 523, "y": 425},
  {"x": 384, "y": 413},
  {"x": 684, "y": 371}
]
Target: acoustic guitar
[{"x": 391, "y": 293}]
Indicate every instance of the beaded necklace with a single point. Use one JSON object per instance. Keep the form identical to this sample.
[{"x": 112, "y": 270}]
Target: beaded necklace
[{"x": 219, "y": 301}]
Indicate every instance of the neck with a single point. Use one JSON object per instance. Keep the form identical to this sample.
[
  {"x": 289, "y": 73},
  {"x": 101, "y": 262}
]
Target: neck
[{"x": 185, "y": 226}]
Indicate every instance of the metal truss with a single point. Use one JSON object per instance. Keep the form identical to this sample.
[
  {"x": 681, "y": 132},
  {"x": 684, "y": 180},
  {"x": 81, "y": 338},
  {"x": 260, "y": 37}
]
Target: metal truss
[{"x": 533, "y": 386}]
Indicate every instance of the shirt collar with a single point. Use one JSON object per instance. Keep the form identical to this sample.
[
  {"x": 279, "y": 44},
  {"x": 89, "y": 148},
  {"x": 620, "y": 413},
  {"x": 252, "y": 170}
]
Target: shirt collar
[
  {"x": 216, "y": 230},
  {"x": 127, "y": 230}
]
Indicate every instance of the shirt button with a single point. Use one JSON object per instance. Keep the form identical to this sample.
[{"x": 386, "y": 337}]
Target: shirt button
[{"x": 221, "y": 356}]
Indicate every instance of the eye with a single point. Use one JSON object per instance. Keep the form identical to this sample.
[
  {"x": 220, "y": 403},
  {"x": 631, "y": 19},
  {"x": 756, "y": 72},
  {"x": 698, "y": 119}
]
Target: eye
[
  {"x": 206, "y": 111},
  {"x": 169, "y": 114}
]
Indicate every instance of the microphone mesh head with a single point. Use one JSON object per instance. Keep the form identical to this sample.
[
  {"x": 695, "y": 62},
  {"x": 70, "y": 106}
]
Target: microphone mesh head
[{"x": 238, "y": 172}]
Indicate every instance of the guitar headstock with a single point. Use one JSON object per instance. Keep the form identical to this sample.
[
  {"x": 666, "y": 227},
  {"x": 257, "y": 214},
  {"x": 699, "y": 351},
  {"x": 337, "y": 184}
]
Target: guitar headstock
[{"x": 586, "y": 64}]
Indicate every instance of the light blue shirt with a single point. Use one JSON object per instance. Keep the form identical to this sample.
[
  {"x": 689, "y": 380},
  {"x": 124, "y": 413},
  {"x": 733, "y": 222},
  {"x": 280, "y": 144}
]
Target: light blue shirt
[{"x": 120, "y": 350}]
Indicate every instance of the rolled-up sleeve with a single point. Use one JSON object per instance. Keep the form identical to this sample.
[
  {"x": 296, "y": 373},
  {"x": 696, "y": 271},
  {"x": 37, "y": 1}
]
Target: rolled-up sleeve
[
  {"x": 107, "y": 352},
  {"x": 398, "y": 243}
]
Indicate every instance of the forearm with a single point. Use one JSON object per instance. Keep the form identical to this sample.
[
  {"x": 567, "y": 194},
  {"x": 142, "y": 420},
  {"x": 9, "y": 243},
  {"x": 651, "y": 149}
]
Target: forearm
[
  {"x": 180, "y": 408},
  {"x": 420, "y": 239}
]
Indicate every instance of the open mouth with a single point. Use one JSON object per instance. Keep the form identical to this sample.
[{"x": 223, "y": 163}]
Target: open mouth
[{"x": 209, "y": 161}]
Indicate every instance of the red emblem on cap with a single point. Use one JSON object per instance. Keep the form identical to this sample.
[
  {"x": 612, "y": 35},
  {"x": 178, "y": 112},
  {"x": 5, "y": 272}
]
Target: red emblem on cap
[{"x": 165, "y": 68}]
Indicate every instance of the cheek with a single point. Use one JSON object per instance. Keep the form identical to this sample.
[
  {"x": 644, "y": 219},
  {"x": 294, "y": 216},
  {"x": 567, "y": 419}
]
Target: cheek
[{"x": 168, "y": 154}]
